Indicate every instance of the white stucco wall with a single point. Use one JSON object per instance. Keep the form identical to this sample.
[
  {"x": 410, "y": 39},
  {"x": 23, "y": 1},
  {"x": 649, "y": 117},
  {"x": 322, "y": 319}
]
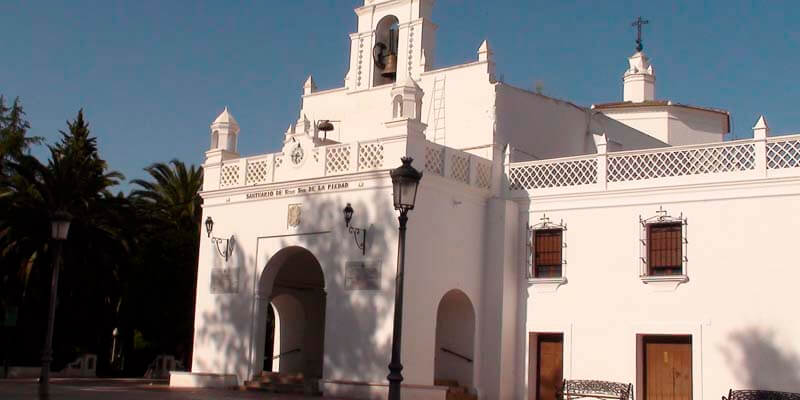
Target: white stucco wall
[
  {"x": 736, "y": 304},
  {"x": 431, "y": 271},
  {"x": 675, "y": 125},
  {"x": 362, "y": 114},
  {"x": 540, "y": 127},
  {"x": 225, "y": 323}
]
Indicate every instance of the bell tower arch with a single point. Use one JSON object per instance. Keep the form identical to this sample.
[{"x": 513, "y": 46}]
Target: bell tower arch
[{"x": 395, "y": 40}]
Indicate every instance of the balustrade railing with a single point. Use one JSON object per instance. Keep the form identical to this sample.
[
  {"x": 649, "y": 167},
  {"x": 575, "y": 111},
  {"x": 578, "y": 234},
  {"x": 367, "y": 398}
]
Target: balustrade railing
[
  {"x": 457, "y": 165},
  {"x": 341, "y": 159},
  {"x": 752, "y": 157}
]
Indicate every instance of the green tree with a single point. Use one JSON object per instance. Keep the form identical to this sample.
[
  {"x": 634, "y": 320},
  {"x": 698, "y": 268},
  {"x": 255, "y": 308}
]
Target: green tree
[
  {"x": 173, "y": 195},
  {"x": 168, "y": 206},
  {"x": 75, "y": 180},
  {"x": 14, "y": 141}
]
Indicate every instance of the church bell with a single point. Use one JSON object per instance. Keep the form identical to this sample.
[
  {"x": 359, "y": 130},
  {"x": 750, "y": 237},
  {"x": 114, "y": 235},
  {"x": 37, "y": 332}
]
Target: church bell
[{"x": 390, "y": 71}]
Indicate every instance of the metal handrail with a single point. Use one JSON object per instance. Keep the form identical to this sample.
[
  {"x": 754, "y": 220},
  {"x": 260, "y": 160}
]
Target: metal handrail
[
  {"x": 297, "y": 350},
  {"x": 467, "y": 359}
]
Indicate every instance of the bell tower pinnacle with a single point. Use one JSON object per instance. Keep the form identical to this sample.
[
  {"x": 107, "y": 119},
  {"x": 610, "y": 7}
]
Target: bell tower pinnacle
[
  {"x": 639, "y": 81},
  {"x": 395, "y": 40}
]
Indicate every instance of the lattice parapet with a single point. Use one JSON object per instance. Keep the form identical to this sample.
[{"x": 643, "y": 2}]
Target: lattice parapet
[
  {"x": 338, "y": 159},
  {"x": 681, "y": 162},
  {"x": 370, "y": 156},
  {"x": 483, "y": 175},
  {"x": 258, "y": 172},
  {"x": 459, "y": 167},
  {"x": 229, "y": 176},
  {"x": 543, "y": 174},
  {"x": 783, "y": 153},
  {"x": 278, "y": 162},
  {"x": 434, "y": 160}
]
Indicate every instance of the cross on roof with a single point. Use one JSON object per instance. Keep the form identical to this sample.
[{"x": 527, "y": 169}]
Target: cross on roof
[{"x": 638, "y": 24}]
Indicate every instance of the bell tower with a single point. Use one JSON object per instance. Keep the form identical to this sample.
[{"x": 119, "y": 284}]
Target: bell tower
[
  {"x": 224, "y": 138},
  {"x": 225, "y": 132},
  {"x": 395, "y": 39}
]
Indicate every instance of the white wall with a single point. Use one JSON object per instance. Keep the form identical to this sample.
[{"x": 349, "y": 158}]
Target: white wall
[
  {"x": 289, "y": 335},
  {"x": 736, "y": 304},
  {"x": 455, "y": 331},
  {"x": 674, "y": 124},
  {"x": 229, "y": 328},
  {"x": 689, "y": 126},
  {"x": 444, "y": 252},
  {"x": 540, "y": 127},
  {"x": 468, "y": 108}
]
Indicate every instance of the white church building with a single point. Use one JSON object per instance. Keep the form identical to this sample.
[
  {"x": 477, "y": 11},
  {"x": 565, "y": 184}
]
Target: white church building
[{"x": 624, "y": 241}]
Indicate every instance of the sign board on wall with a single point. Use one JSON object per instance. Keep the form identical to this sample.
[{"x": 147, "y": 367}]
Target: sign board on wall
[
  {"x": 362, "y": 275},
  {"x": 296, "y": 190},
  {"x": 224, "y": 280}
]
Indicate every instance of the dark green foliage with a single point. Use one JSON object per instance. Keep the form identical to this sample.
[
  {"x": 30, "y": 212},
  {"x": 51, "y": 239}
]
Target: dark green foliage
[
  {"x": 74, "y": 180},
  {"x": 169, "y": 211},
  {"x": 14, "y": 141},
  {"x": 129, "y": 261}
]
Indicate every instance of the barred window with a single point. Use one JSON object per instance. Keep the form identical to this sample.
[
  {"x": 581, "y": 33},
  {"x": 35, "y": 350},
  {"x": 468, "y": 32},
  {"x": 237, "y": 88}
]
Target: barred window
[
  {"x": 664, "y": 248},
  {"x": 547, "y": 251}
]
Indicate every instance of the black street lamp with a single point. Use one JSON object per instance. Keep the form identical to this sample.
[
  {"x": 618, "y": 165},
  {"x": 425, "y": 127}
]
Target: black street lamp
[
  {"x": 405, "y": 180},
  {"x": 59, "y": 228}
]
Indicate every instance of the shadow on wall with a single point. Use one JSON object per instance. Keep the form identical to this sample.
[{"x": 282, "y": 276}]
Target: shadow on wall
[
  {"x": 220, "y": 328},
  {"x": 356, "y": 317},
  {"x": 759, "y": 362}
]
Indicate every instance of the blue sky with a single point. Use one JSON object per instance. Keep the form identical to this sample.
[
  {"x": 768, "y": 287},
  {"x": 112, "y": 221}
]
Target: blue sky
[{"x": 152, "y": 75}]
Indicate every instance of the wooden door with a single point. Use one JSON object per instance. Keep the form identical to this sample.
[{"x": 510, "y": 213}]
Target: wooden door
[
  {"x": 668, "y": 367},
  {"x": 550, "y": 355}
]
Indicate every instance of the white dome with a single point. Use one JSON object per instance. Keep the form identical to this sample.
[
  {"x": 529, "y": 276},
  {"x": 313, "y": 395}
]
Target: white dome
[{"x": 226, "y": 117}]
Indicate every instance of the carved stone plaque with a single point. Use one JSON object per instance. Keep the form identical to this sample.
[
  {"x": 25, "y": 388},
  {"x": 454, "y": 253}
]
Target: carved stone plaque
[
  {"x": 224, "y": 280},
  {"x": 362, "y": 275},
  {"x": 293, "y": 215}
]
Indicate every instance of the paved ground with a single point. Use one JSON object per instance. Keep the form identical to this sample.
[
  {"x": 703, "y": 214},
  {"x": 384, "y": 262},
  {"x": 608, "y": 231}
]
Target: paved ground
[{"x": 127, "y": 389}]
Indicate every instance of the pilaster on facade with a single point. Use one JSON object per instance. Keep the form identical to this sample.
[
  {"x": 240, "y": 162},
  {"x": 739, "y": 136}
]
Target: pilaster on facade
[{"x": 760, "y": 133}]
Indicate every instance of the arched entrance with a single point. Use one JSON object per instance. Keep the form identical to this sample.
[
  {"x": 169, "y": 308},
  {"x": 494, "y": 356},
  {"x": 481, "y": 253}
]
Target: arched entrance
[
  {"x": 291, "y": 314},
  {"x": 455, "y": 341}
]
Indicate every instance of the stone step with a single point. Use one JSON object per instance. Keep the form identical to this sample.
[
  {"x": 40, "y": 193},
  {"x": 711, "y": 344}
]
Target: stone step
[
  {"x": 461, "y": 396},
  {"x": 275, "y": 377},
  {"x": 445, "y": 382},
  {"x": 283, "y": 388}
]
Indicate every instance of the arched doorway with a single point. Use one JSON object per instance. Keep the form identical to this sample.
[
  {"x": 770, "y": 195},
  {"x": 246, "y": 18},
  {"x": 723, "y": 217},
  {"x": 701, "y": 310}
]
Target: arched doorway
[
  {"x": 455, "y": 341},
  {"x": 292, "y": 314}
]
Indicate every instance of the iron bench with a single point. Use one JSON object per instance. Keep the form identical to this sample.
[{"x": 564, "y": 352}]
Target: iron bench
[
  {"x": 578, "y": 388},
  {"x": 760, "y": 395}
]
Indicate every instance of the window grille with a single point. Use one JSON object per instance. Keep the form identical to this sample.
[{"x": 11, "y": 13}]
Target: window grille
[
  {"x": 546, "y": 249},
  {"x": 663, "y": 245}
]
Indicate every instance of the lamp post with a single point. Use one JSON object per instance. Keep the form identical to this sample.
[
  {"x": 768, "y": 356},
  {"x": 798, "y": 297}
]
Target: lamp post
[
  {"x": 405, "y": 180},
  {"x": 114, "y": 334},
  {"x": 59, "y": 228}
]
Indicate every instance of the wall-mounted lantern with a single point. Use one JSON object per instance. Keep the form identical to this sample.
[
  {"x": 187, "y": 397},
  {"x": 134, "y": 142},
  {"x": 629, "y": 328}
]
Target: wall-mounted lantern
[
  {"x": 224, "y": 250},
  {"x": 348, "y": 215}
]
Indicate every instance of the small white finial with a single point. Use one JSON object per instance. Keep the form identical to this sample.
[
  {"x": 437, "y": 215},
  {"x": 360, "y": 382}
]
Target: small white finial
[
  {"x": 600, "y": 142},
  {"x": 309, "y": 86},
  {"x": 484, "y": 51},
  {"x": 761, "y": 129}
]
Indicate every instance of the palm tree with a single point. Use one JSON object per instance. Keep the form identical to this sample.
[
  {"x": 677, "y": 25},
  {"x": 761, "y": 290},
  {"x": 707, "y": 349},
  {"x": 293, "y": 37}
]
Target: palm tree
[
  {"x": 169, "y": 210},
  {"x": 174, "y": 192}
]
